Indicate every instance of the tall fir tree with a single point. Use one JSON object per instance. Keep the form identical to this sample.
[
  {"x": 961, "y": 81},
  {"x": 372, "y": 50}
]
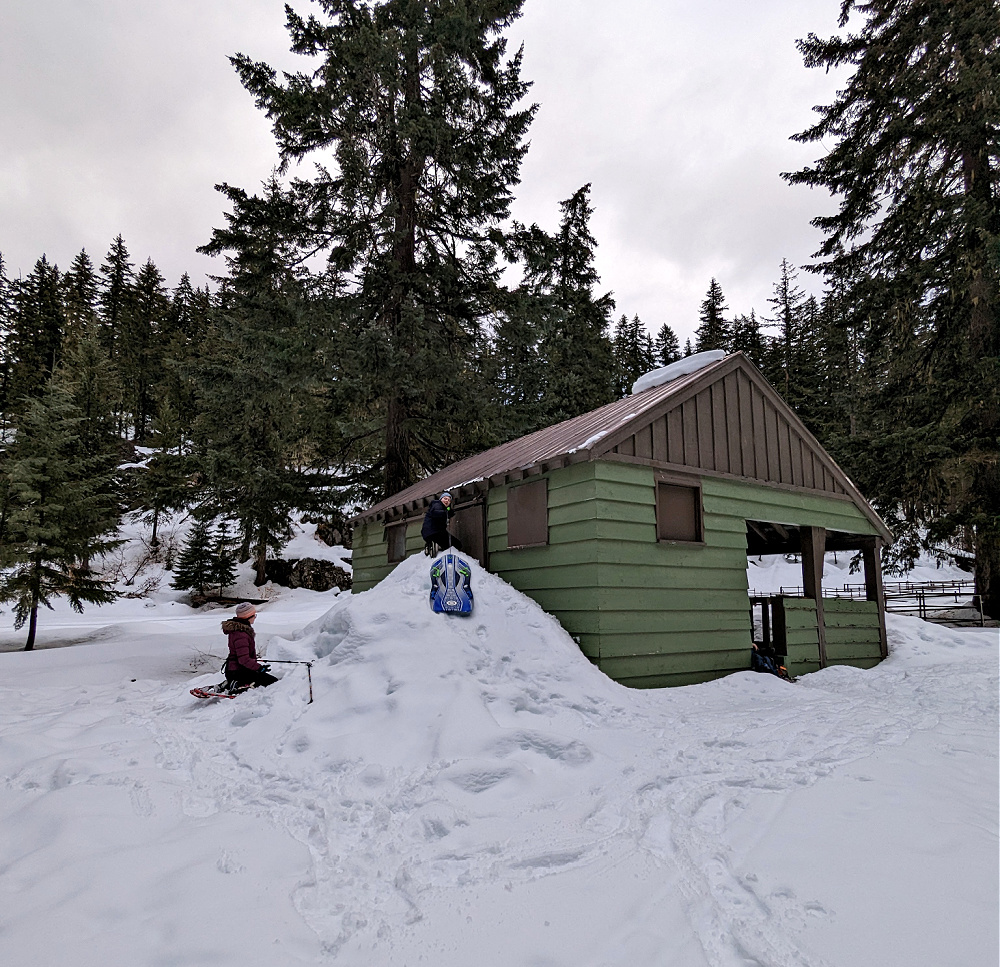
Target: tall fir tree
[
  {"x": 140, "y": 356},
  {"x": 38, "y": 327},
  {"x": 713, "y": 329},
  {"x": 257, "y": 388},
  {"x": 633, "y": 350},
  {"x": 62, "y": 511},
  {"x": 666, "y": 347},
  {"x": 576, "y": 342},
  {"x": 6, "y": 354},
  {"x": 80, "y": 298},
  {"x": 785, "y": 347},
  {"x": 911, "y": 152},
  {"x": 413, "y": 112},
  {"x": 748, "y": 339}
]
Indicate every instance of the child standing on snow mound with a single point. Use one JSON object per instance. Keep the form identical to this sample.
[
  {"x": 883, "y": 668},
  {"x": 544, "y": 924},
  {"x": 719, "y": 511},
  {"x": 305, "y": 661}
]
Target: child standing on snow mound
[
  {"x": 242, "y": 666},
  {"x": 435, "y": 527}
]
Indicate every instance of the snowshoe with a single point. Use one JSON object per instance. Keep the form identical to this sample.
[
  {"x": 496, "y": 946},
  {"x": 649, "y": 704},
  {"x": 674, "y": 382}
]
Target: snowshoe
[
  {"x": 451, "y": 585},
  {"x": 225, "y": 689}
]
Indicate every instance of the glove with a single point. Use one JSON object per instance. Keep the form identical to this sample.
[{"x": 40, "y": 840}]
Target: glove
[{"x": 265, "y": 668}]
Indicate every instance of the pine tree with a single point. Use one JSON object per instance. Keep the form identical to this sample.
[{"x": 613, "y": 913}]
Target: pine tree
[
  {"x": 575, "y": 344},
  {"x": 910, "y": 149},
  {"x": 37, "y": 330},
  {"x": 667, "y": 347},
  {"x": 6, "y": 355},
  {"x": 117, "y": 279},
  {"x": 785, "y": 349},
  {"x": 713, "y": 333},
  {"x": 417, "y": 103},
  {"x": 258, "y": 387},
  {"x": 223, "y": 569},
  {"x": 748, "y": 339},
  {"x": 62, "y": 509},
  {"x": 633, "y": 350},
  {"x": 80, "y": 299},
  {"x": 195, "y": 567},
  {"x": 139, "y": 346}
]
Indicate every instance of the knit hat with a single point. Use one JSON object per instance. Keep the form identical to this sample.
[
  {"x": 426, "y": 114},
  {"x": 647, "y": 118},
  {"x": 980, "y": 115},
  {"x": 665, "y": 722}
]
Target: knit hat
[
  {"x": 245, "y": 610},
  {"x": 446, "y": 494}
]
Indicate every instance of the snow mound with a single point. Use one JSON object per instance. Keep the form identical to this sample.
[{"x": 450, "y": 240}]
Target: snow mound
[{"x": 683, "y": 367}]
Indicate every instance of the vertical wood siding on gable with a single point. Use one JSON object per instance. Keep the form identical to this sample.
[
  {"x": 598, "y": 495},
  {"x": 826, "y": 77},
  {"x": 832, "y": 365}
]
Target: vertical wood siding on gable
[{"x": 731, "y": 427}]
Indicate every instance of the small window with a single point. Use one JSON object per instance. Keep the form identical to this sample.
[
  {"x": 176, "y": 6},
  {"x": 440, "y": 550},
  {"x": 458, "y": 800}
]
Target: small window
[
  {"x": 528, "y": 514},
  {"x": 678, "y": 513},
  {"x": 395, "y": 539}
]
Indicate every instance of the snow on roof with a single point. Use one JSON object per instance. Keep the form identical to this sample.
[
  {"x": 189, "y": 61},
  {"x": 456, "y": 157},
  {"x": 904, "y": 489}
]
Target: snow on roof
[{"x": 683, "y": 367}]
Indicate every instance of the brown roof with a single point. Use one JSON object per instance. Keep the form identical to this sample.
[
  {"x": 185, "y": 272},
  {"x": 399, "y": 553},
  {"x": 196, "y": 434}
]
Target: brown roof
[
  {"x": 617, "y": 431},
  {"x": 566, "y": 442}
]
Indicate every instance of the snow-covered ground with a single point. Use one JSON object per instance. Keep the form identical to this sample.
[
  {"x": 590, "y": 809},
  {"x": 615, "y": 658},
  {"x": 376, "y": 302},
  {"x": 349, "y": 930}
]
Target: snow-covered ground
[{"x": 472, "y": 791}]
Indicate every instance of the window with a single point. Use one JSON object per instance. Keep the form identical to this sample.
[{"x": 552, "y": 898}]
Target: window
[
  {"x": 528, "y": 514},
  {"x": 678, "y": 512},
  {"x": 395, "y": 539}
]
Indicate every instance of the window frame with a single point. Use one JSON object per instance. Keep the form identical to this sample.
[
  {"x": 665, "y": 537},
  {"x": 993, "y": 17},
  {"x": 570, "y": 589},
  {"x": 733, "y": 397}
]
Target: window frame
[
  {"x": 390, "y": 533},
  {"x": 687, "y": 483},
  {"x": 535, "y": 484}
]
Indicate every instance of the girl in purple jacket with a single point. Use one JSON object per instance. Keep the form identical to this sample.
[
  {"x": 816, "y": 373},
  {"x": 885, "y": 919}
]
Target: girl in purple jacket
[{"x": 242, "y": 666}]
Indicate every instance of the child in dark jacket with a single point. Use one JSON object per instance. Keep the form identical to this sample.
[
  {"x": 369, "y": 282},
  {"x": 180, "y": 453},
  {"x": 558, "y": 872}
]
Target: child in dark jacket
[
  {"x": 242, "y": 666},
  {"x": 435, "y": 527}
]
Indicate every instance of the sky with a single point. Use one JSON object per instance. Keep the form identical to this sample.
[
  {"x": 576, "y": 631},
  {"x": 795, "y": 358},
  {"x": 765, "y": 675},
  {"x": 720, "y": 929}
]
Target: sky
[{"x": 120, "y": 117}]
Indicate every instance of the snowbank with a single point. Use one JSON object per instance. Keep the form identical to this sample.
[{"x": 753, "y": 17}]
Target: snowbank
[{"x": 473, "y": 790}]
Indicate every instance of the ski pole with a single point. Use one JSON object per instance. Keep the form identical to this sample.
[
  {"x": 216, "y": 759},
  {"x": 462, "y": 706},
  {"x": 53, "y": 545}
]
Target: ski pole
[{"x": 309, "y": 671}]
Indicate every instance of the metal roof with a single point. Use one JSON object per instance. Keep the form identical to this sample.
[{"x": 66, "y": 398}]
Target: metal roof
[{"x": 568, "y": 442}]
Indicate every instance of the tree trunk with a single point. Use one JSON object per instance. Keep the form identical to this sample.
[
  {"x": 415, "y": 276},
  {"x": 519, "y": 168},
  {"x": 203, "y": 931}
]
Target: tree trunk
[
  {"x": 988, "y": 570},
  {"x": 260, "y": 559}
]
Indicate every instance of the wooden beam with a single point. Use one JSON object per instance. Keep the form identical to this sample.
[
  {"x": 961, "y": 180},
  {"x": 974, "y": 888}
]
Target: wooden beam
[
  {"x": 813, "y": 547},
  {"x": 871, "y": 550}
]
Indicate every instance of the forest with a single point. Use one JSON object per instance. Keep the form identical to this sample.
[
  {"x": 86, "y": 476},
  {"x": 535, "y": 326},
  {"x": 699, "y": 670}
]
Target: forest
[{"x": 386, "y": 316}]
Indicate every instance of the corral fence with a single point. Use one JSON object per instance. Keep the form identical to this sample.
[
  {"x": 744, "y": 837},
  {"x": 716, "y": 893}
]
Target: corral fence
[{"x": 945, "y": 602}]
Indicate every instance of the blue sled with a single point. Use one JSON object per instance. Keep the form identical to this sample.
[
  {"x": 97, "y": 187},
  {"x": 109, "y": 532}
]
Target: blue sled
[{"x": 451, "y": 585}]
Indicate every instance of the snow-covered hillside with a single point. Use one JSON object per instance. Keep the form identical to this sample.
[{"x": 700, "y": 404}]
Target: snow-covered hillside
[{"x": 472, "y": 790}]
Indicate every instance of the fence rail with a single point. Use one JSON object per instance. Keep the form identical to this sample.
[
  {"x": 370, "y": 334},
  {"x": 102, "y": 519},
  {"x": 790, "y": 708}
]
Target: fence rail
[{"x": 930, "y": 600}]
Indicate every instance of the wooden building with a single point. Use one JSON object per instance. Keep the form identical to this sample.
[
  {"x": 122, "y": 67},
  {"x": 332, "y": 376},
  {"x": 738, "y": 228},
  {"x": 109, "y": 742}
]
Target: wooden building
[{"x": 633, "y": 523}]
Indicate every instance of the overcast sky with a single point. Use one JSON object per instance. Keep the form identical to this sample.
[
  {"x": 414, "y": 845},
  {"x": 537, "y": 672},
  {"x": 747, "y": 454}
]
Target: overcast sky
[{"x": 119, "y": 116}]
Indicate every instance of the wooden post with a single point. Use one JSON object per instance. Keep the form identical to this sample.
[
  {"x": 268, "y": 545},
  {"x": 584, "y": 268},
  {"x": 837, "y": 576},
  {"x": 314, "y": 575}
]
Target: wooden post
[
  {"x": 871, "y": 550},
  {"x": 813, "y": 549}
]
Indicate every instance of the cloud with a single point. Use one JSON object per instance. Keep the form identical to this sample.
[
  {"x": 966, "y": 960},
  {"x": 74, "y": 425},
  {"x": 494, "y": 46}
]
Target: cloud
[{"x": 120, "y": 117}]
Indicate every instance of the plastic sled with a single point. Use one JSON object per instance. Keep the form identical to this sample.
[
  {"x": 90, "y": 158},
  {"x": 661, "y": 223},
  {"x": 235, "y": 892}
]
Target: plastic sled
[{"x": 451, "y": 585}]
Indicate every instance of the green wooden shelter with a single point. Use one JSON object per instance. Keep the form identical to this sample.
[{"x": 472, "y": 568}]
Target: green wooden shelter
[{"x": 633, "y": 523}]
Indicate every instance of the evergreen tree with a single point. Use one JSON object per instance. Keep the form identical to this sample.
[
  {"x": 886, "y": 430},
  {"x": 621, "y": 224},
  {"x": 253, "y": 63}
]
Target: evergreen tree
[
  {"x": 418, "y": 104},
  {"x": 575, "y": 344},
  {"x": 61, "y": 510},
  {"x": 633, "y": 351},
  {"x": 256, "y": 390},
  {"x": 785, "y": 350},
  {"x": 223, "y": 569},
  {"x": 748, "y": 339},
  {"x": 6, "y": 355},
  {"x": 713, "y": 332},
  {"x": 139, "y": 347},
  {"x": 37, "y": 330},
  {"x": 910, "y": 149},
  {"x": 116, "y": 295},
  {"x": 667, "y": 347},
  {"x": 80, "y": 299},
  {"x": 196, "y": 565}
]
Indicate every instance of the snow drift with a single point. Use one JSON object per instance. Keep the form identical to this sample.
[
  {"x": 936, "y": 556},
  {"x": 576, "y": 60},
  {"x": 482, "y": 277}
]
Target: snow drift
[{"x": 473, "y": 790}]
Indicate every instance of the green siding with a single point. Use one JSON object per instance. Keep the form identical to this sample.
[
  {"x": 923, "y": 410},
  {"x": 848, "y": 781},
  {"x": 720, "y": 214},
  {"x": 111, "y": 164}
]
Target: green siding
[{"x": 652, "y": 613}]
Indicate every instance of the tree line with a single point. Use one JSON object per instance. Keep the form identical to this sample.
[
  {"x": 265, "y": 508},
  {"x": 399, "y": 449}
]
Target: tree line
[{"x": 381, "y": 315}]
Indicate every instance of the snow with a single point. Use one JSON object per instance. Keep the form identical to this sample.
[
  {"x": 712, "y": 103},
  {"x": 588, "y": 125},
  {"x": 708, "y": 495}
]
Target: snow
[
  {"x": 683, "y": 367},
  {"x": 473, "y": 790}
]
